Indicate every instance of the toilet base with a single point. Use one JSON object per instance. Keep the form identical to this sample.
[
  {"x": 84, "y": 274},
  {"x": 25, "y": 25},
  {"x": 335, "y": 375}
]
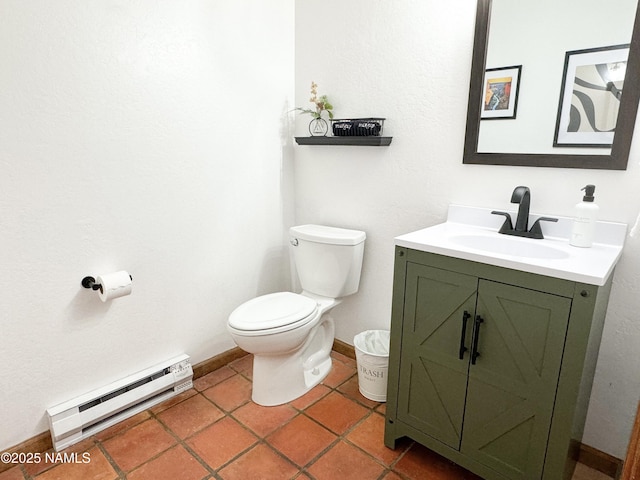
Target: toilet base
[{"x": 279, "y": 379}]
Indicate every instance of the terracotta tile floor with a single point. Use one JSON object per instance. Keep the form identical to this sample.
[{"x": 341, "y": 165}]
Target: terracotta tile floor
[{"x": 214, "y": 431}]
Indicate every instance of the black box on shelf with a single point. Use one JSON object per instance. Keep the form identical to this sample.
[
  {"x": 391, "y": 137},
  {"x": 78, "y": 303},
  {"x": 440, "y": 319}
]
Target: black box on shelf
[{"x": 357, "y": 127}]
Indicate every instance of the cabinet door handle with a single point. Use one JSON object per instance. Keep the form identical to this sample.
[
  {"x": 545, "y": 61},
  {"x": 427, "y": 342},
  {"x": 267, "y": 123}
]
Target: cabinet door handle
[
  {"x": 466, "y": 316},
  {"x": 476, "y": 334}
]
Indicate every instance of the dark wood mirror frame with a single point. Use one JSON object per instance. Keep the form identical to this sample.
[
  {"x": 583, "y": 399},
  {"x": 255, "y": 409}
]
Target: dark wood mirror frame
[{"x": 618, "y": 158}]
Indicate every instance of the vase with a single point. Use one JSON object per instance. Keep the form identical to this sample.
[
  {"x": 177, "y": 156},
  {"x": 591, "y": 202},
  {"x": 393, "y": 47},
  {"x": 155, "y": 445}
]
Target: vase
[{"x": 318, "y": 127}]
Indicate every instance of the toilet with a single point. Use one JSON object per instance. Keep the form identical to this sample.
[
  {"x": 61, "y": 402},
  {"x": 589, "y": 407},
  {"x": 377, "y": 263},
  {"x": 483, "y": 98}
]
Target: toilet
[{"x": 291, "y": 335}]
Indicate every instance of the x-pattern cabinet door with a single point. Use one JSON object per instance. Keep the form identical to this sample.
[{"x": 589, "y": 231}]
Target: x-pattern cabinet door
[
  {"x": 512, "y": 385},
  {"x": 433, "y": 377}
]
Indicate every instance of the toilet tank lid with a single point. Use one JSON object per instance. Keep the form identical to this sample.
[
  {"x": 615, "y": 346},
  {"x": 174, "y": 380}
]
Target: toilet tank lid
[{"x": 331, "y": 235}]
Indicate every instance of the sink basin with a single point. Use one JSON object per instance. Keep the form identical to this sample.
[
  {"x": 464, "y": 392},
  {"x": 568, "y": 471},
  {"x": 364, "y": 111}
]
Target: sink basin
[
  {"x": 513, "y": 246},
  {"x": 471, "y": 233}
]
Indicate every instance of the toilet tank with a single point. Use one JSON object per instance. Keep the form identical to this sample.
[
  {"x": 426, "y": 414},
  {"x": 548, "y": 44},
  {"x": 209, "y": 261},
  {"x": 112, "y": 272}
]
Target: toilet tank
[{"x": 328, "y": 260}]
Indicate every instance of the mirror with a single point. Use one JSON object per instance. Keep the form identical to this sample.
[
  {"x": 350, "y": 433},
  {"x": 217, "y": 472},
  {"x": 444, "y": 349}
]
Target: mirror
[{"x": 479, "y": 150}]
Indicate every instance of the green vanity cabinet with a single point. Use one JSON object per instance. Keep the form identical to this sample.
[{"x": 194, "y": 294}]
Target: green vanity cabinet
[{"x": 491, "y": 367}]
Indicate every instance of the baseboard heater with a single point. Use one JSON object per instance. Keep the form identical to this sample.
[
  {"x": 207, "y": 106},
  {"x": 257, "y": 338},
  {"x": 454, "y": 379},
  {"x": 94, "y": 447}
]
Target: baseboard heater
[{"x": 92, "y": 412}]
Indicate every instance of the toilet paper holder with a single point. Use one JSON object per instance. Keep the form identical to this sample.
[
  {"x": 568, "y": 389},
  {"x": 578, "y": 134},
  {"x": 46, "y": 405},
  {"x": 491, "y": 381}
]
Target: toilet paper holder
[{"x": 90, "y": 282}]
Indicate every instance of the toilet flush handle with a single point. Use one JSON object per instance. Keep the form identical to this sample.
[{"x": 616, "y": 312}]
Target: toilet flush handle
[{"x": 294, "y": 242}]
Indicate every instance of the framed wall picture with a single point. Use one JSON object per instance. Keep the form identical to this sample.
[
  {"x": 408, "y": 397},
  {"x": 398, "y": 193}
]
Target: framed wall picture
[
  {"x": 501, "y": 87},
  {"x": 592, "y": 85}
]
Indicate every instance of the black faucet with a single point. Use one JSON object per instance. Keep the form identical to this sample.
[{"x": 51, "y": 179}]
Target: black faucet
[{"x": 522, "y": 196}]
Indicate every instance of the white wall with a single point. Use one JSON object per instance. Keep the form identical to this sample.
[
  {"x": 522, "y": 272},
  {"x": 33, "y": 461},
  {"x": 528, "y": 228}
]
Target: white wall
[
  {"x": 139, "y": 135},
  {"x": 410, "y": 61}
]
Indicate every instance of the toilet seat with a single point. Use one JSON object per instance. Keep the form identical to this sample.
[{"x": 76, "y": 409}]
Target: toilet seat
[{"x": 273, "y": 313}]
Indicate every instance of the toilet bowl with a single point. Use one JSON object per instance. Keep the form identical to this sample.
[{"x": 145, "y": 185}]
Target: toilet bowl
[
  {"x": 291, "y": 334},
  {"x": 291, "y": 337}
]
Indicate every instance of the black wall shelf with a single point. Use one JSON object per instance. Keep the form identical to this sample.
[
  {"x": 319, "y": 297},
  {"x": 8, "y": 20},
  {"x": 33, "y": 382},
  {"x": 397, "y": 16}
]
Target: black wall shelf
[{"x": 361, "y": 141}]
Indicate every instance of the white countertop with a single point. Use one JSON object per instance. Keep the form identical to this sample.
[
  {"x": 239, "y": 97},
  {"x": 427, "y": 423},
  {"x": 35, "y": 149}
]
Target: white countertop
[{"x": 471, "y": 233}]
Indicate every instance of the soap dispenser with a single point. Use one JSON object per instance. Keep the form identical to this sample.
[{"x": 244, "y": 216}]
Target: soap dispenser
[{"x": 584, "y": 223}]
